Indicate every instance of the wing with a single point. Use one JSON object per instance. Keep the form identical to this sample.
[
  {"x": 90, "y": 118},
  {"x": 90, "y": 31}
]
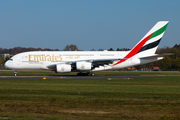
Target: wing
[
  {"x": 102, "y": 62},
  {"x": 95, "y": 63}
]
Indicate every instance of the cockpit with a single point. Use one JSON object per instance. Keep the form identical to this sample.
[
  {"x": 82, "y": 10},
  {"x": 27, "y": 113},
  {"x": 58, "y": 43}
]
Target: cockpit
[
  {"x": 11, "y": 59},
  {"x": 9, "y": 63}
]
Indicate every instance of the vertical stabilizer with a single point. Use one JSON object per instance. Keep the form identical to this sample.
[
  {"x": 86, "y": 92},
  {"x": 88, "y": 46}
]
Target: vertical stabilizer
[
  {"x": 152, "y": 39},
  {"x": 149, "y": 43}
]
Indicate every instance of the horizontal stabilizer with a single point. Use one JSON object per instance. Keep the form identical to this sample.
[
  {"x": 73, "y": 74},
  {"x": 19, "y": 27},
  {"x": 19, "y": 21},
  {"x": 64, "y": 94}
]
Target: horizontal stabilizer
[{"x": 157, "y": 55}]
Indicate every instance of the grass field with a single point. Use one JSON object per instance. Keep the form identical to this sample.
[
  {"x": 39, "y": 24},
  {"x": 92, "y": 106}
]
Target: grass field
[{"x": 156, "y": 98}]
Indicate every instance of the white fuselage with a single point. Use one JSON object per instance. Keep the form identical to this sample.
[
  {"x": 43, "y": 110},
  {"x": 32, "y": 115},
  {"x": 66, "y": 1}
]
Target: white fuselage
[{"x": 41, "y": 60}]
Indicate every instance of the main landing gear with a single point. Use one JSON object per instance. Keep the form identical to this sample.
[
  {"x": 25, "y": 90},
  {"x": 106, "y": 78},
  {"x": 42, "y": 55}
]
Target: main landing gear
[{"x": 85, "y": 74}]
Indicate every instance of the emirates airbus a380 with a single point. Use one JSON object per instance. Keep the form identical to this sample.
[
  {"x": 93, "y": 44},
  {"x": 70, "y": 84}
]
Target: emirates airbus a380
[{"x": 88, "y": 61}]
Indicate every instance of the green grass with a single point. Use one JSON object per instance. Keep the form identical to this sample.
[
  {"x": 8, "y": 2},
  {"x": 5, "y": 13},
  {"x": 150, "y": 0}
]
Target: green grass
[{"x": 141, "y": 98}]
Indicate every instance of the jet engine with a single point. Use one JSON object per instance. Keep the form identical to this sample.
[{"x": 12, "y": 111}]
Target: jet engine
[
  {"x": 83, "y": 66},
  {"x": 63, "y": 68}
]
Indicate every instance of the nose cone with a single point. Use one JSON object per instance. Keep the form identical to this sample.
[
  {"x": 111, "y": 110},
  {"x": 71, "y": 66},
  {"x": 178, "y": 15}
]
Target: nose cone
[{"x": 7, "y": 65}]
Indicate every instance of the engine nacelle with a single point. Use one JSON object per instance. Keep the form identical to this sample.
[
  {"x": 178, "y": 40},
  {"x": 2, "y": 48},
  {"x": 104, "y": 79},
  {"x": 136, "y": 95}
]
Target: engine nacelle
[
  {"x": 63, "y": 68},
  {"x": 83, "y": 66}
]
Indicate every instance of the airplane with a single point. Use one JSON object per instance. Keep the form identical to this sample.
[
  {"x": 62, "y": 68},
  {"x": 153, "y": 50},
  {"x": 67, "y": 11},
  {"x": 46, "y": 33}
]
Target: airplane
[{"x": 89, "y": 61}]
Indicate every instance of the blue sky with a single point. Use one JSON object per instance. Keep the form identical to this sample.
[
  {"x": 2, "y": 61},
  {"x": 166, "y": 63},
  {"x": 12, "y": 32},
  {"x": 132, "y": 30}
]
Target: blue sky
[{"x": 89, "y": 24}]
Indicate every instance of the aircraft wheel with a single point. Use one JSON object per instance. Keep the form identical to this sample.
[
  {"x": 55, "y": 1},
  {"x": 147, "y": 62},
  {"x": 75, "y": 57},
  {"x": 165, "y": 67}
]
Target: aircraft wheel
[
  {"x": 85, "y": 74},
  {"x": 88, "y": 74},
  {"x": 92, "y": 74},
  {"x": 81, "y": 74},
  {"x": 15, "y": 73}
]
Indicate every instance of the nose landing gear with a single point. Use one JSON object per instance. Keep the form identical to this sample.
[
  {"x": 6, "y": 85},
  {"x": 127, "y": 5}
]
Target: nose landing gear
[{"x": 15, "y": 73}]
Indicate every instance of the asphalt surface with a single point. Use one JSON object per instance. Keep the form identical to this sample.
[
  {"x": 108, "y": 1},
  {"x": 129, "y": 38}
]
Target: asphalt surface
[{"x": 70, "y": 77}]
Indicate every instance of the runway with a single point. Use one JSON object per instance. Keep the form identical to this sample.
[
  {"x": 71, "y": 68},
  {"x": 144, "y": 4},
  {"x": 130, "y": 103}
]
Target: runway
[{"x": 71, "y": 77}]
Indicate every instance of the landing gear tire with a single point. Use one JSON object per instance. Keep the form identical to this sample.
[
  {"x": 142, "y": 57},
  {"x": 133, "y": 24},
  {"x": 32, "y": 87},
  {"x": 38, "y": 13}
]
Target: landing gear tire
[
  {"x": 88, "y": 74},
  {"x": 85, "y": 74},
  {"x": 15, "y": 73},
  {"x": 81, "y": 74},
  {"x": 92, "y": 74}
]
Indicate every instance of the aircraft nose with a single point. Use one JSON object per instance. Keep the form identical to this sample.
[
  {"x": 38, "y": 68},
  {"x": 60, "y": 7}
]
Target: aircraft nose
[{"x": 7, "y": 65}]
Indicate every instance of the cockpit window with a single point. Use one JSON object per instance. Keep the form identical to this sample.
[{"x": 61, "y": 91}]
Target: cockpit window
[{"x": 10, "y": 59}]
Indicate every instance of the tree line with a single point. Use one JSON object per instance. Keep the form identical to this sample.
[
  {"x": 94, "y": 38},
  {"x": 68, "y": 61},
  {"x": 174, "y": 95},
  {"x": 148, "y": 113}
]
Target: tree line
[{"x": 168, "y": 63}]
